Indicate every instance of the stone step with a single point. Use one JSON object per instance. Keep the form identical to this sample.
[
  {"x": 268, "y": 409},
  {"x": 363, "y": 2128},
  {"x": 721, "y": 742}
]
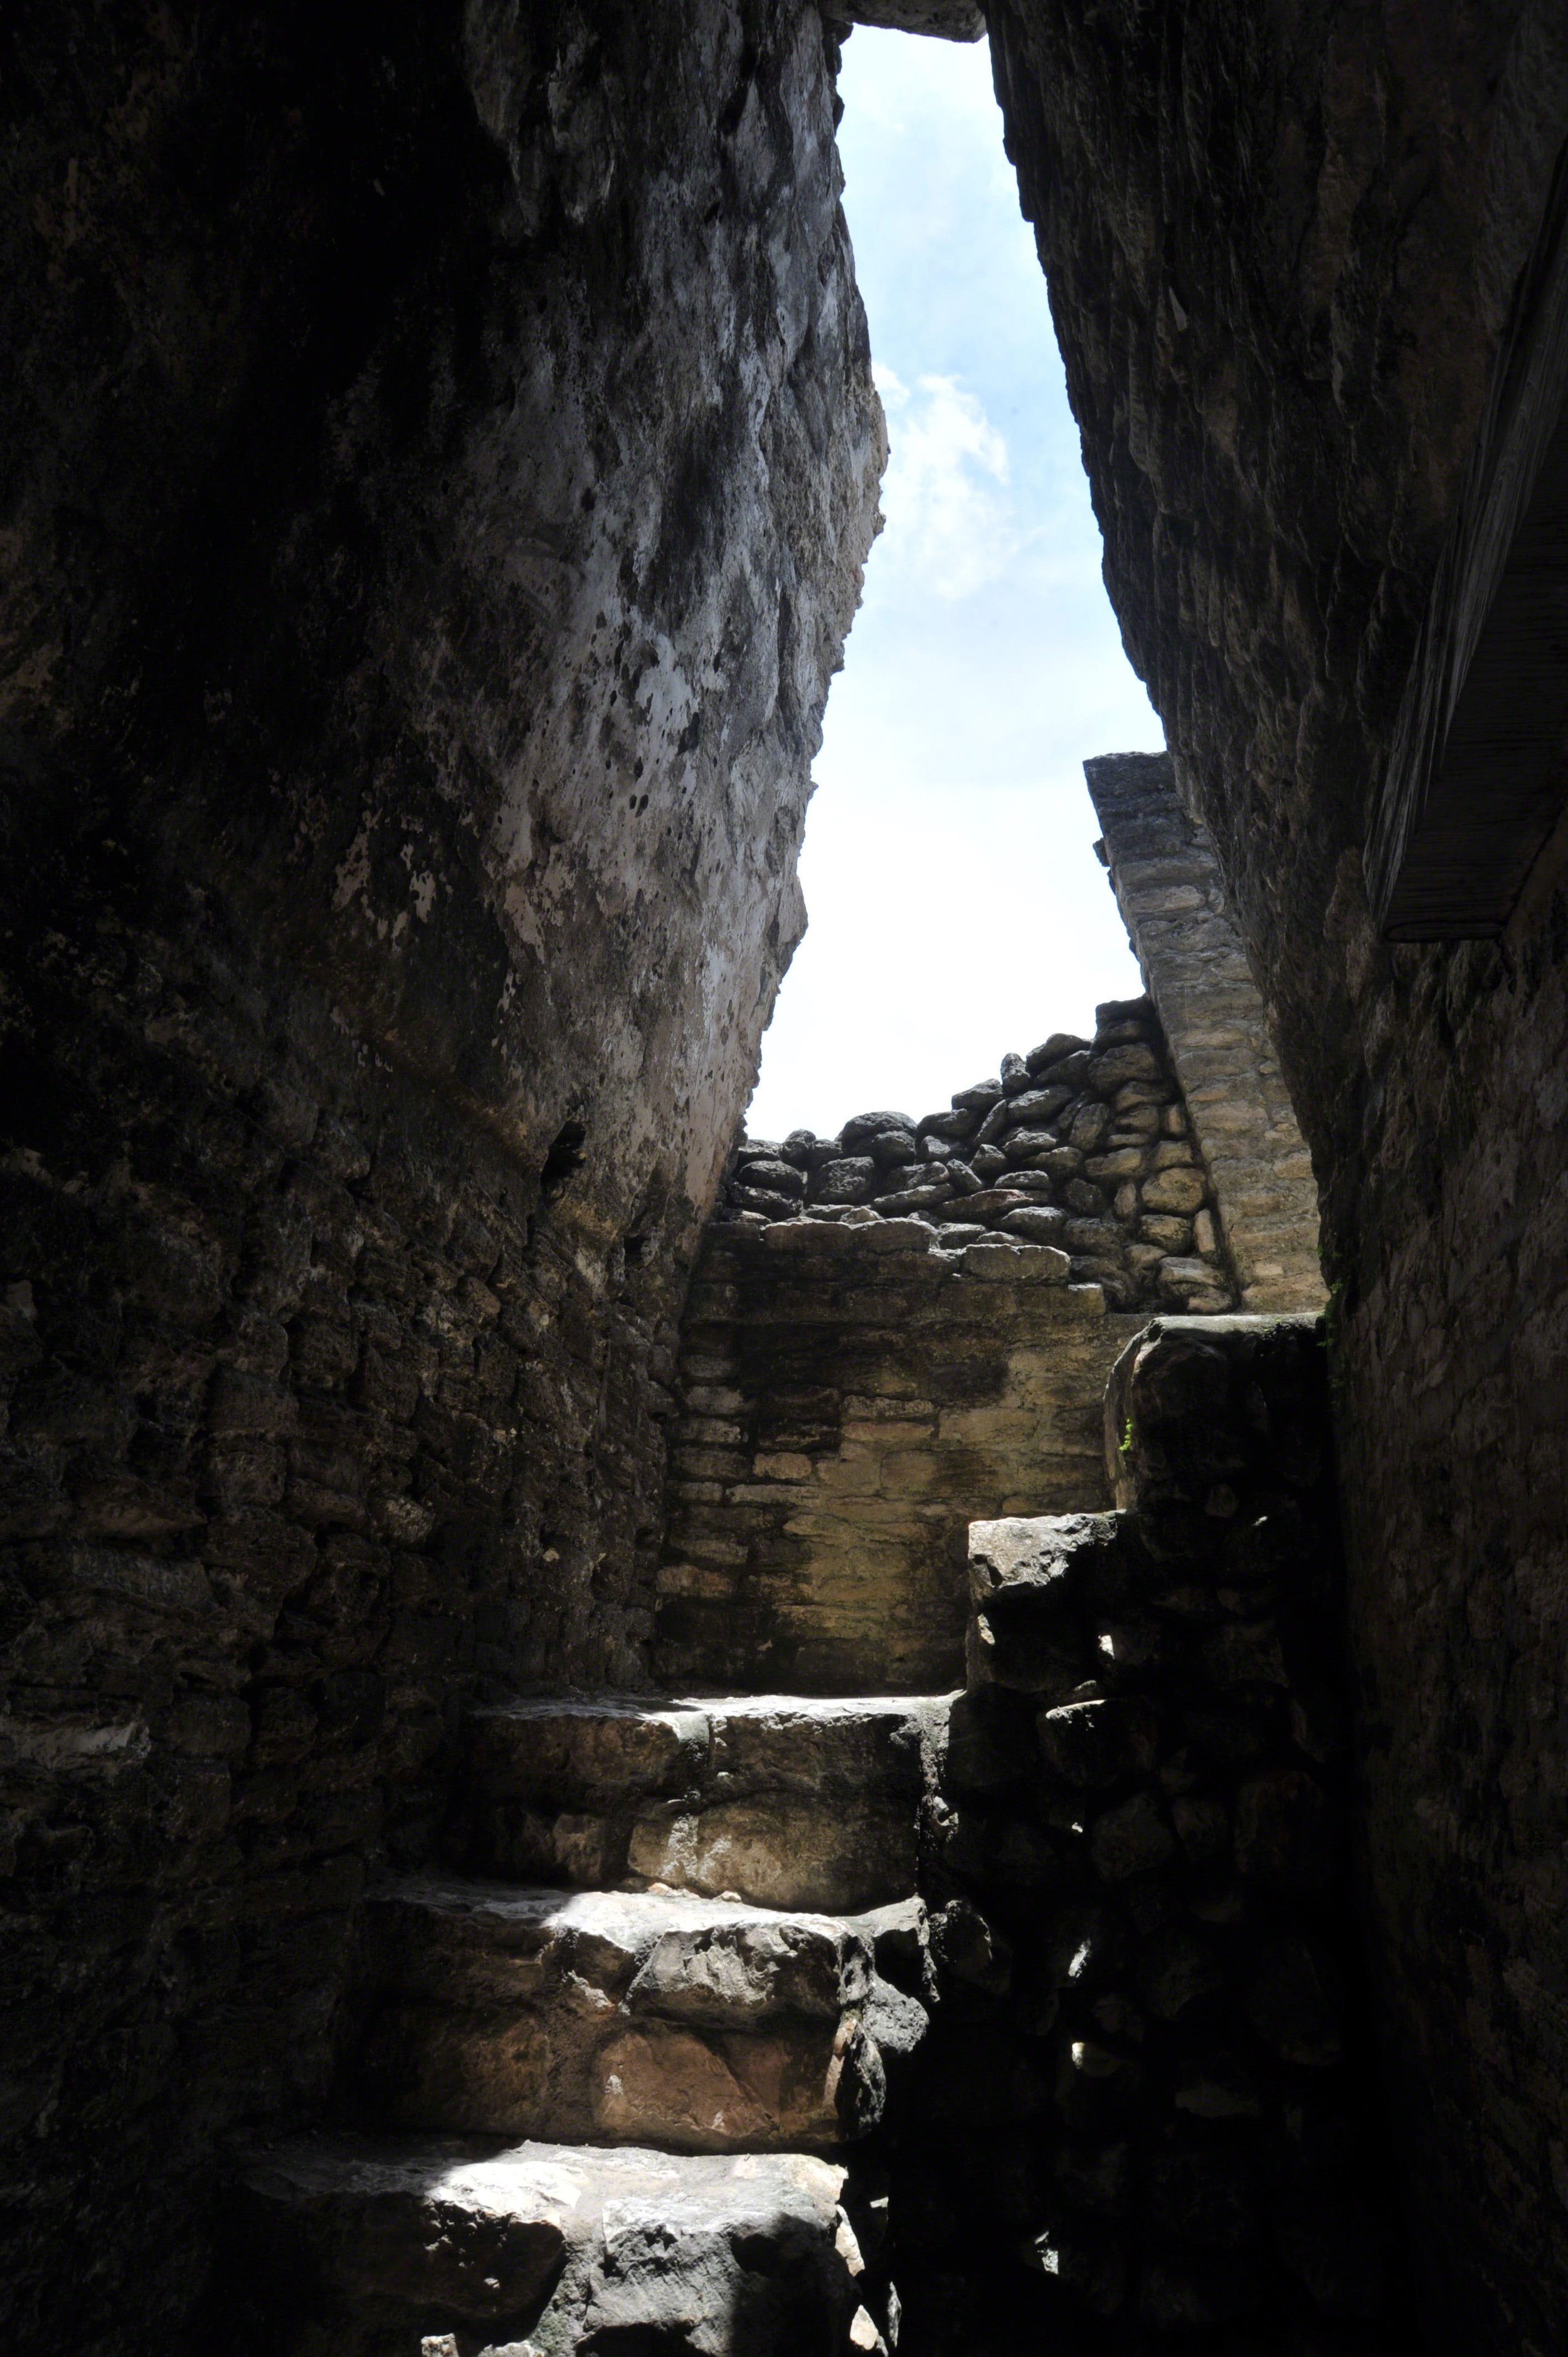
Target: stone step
[
  {"x": 785, "y": 1800},
  {"x": 365, "y": 2246},
  {"x": 653, "y": 2017},
  {"x": 1034, "y": 1583}
]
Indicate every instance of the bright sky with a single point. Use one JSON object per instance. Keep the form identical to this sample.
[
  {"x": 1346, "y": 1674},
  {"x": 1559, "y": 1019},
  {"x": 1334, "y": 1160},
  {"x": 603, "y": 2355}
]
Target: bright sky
[{"x": 956, "y": 908}]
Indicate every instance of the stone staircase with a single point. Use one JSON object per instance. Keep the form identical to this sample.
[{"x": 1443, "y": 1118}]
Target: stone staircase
[
  {"x": 668, "y": 2059},
  {"x": 612, "y": 2062}
]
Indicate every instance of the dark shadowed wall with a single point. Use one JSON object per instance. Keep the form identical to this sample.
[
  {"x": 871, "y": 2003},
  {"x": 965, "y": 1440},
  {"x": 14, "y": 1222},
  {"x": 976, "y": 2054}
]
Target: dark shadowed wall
[
  {"x": 1281, "y": 246},
  {"x": 438, "y": 450}
]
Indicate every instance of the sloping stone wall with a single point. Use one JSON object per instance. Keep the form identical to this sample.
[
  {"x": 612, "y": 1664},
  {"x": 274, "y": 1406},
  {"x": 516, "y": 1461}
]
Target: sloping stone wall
[
  {"x": 1167, "y": 887},
  {"x": 439, "y": 450}
]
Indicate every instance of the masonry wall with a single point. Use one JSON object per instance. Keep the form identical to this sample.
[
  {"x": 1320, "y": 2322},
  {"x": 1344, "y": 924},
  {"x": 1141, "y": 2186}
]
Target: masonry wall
[
  {"x": 1085, "y": 1144},
  {"x": 1282, "y": 247},
  {"x": 900, "y": 1328},
  {"x": 1168, "y": 889},
  {"x": 1145, "y": 2118},
  {"x": 438, "y": 452},
  {"x": 850, "y": 1398}
]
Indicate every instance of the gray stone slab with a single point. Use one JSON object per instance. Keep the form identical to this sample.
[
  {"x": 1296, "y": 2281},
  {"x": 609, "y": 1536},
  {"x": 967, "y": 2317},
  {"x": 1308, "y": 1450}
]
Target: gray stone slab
[{"x": 358, "y": 2244}]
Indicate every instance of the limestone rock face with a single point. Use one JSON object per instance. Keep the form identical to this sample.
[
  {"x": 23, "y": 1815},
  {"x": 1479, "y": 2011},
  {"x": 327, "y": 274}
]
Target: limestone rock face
[
  {"x": 746, "y": 2257},
  {"x": 566, "y": 645}
]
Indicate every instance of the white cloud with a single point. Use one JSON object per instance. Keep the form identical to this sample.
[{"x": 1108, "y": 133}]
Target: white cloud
[{"x": 950, "y": 527}]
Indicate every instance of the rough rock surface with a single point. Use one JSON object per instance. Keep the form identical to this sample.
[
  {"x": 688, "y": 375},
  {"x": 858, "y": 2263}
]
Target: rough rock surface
[
  {"x": 438, "y": 452},
  {"x": 778, "y": 1798},
  {"x": 1282, "y": 247},
  {"x": 616, "y": 2018},
  {"x": 372, "y": 2245}
]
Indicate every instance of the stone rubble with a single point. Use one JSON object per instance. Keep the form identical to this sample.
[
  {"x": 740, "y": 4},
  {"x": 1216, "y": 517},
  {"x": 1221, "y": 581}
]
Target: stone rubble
[{"x": 1083, "y": 1148}]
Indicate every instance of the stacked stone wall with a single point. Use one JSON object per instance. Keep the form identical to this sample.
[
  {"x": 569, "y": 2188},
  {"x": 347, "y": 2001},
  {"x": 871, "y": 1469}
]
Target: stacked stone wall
[
  {"x": 1145, "y": 2118},
  {"x": 905, "y": 1326},
  {"x": 1085, "y": 1144},
  {"x": 1168, "y": 885}
]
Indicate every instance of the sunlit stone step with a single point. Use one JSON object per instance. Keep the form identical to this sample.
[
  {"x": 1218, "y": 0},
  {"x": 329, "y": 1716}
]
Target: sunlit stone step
[
  {"x": 785, "y": 1800},
  {"x": 360, "y": 2246},
  {"x": 635, "y": 2016}
]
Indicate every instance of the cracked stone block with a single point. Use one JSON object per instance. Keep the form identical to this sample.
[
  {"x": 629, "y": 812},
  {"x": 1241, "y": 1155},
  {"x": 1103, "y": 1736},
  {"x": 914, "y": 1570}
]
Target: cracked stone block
[{"x": 783, "y": 1801}]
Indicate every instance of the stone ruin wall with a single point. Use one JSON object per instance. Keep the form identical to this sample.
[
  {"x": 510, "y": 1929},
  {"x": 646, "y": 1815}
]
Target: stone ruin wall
[
  {"x": 1169, "y": 891},
  {"x": 898, "y": 1329},
  {"x": 1146, "y": 2117},
  {"x": 1083, "y": 1145},
  {"x": 849, "y": 1397},
  {"x": 434, "y": 506},
  {"x": 1282, "y": 248},
  {"x": 894, "y": 1330}
]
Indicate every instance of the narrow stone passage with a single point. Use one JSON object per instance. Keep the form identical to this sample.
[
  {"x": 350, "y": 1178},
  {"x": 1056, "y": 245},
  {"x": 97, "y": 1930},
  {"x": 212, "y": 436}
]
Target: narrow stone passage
[{"x": 745, "y": 2025}]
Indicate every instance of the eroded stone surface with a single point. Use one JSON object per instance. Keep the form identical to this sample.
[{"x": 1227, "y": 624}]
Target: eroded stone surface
[
  {"x": 785, "y": 1801},
  {"x": 698, "y": 2024},
  {"x": 376, "y": 2245}
]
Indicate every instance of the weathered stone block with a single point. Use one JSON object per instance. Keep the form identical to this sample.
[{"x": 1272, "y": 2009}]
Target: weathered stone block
[
  {"x": 620, "y": 2245},
  {"x": 714, "y": 2026}
]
